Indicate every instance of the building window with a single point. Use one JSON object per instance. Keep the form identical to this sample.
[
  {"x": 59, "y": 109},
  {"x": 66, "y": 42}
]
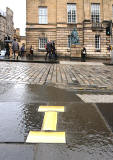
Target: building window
[
  {"x": 97, "y": 42},
  {"x": 71, "y": 10},
  {"x": 95, "y": 13},
  {"x": 69, "y": 41},
  {"x": 43, "y": 18},
  {"x": 42, "y": 43}
]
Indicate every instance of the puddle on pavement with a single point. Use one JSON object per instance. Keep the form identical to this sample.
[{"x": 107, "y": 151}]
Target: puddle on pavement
[
  {"x": 18, "y": 108},
  {"x": 87, "y": 136},
  {"x": 36, "y": 93},
  {"x": 17, "y": 119}
]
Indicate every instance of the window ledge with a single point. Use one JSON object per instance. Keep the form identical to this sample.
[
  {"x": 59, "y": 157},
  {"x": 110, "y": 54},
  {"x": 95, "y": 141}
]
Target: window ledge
[
  {"x": 68, "y": 50},
  {"x": 71, "y": 23},
  {"x": 98, "y": 50},
  {"x": 43, "y": 23},
  {"x": 41, "y": 50}
]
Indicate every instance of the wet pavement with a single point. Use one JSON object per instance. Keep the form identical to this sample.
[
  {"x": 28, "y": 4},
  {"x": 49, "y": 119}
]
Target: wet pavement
[
  {"x": 107, "y": 112},
  {"x": 88, "y": 126},
  {"x": 86, "y": 75}
]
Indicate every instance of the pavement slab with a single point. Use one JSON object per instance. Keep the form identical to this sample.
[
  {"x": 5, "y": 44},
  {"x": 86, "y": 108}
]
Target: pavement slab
[
  {"x": 96, "y": 98},
  {"x": 107, "y": 112},
  {"x": 16, "y": 152}
]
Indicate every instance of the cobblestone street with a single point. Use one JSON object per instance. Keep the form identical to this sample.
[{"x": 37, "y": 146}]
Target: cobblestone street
[{"x": 78, "y": 75}]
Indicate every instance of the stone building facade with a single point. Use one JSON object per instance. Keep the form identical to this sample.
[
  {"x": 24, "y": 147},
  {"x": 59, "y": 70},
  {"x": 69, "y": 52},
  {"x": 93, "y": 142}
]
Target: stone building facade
[
  {"x": 20, "y": 39},
  {"x": 55, "y": 19},
  {"x": 2, "y": 26},
  {"x": 17, "y": 34},
  {"x": 9, "y": 23},
  {"x": 6, "y": 24}
]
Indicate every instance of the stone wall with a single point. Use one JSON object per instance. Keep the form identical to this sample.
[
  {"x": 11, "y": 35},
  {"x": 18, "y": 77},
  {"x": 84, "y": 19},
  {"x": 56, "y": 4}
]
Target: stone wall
[
  {"x": 2, "y": 27},
  {"x": 6, "y": 24},
  {"x": 33, "y": 36},
  {"x": 9, "y": 22}
]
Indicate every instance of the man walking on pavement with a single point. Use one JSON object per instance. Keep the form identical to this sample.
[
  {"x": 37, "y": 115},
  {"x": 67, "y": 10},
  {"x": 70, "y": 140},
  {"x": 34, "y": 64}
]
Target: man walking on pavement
[
  {"x": 15, "y": 48},
  {"x": 48, "y": 50},
  {"x": 7, "y": 49},
  {"x": 53, "y": 51}
]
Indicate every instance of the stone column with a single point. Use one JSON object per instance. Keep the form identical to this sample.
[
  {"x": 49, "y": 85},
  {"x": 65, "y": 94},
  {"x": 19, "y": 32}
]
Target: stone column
[{"x": 111, "y": 57}]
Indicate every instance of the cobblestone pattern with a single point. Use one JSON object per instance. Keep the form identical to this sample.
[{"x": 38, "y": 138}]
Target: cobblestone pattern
[{"x": 36, "y": 73}]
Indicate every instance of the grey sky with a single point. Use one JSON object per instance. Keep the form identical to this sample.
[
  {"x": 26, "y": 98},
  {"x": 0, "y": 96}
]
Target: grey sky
[{"x": 19, "y": 10}]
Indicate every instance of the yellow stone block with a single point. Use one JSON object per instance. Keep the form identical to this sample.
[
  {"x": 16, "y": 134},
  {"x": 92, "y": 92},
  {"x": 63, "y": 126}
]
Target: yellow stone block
[
  {"x": 46, "y": 137},
  {"x": 50, "y": 121},
  {"x": 51, "y": 108}
]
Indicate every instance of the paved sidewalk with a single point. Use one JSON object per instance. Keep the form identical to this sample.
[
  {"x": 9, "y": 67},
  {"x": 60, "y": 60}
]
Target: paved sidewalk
[
  {"x": 81, "y": 63},
  {"x": 81, "y": 76},
  {"x": 28, "y": 59}
]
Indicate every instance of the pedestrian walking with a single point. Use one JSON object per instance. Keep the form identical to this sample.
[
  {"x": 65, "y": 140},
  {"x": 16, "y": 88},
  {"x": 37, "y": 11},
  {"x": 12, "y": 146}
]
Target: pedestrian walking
[
  {"x": 54, "y": 55},
  {"x": 83, "y": 54},
  {"x": 15, "y": 48},
  {"x": 111, "y": 54},
  {"x": 7, "y": 49},
  {"x": 22, "y": 50},
  {"x": 31, "y": 51},
  {"x": 48, "y": 50}
]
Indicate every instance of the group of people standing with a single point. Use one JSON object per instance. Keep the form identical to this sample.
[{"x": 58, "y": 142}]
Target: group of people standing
[
  {"x": 15, "y": 49},
  {"x": 50, "y": 50}
]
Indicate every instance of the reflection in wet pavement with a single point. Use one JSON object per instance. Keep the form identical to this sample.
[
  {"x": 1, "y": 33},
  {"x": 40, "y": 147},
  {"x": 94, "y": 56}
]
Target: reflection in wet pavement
[
  {"x": 17, "y": 119},
  {"x": 36, "y": 93}
]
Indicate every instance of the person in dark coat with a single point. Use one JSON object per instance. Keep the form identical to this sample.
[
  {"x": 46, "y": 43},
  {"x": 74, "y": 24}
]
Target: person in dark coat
[
  {"x": 15, "y": 48},
  {"x": 48, "y": 50},
  {"x": 31, "y": 50},
  {"x": 7, "y": 49},
  {"x": 53, "y": 50},
  {"x": 22, "y": 50},
  {"x": 83, "y": 54}
]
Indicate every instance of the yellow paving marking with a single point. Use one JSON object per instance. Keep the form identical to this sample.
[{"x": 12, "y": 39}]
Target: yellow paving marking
[
  {"x": 50, "y": 121},
  {"x": 81, "y": 88},
  {"x": 46, "y": 137},
  {"x": 51, "y": 108},
  {"x": 49, "y": 124}
]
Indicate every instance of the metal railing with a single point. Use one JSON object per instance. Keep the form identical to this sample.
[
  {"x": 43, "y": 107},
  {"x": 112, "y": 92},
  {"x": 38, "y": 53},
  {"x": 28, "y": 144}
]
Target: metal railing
[{"x": 97, "y": 26}]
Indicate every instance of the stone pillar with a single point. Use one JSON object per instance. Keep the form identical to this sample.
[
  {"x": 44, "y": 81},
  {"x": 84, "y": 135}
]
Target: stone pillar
[
  {"x": 75, "y": 51},
  {"x": 111, "y": 57}
]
